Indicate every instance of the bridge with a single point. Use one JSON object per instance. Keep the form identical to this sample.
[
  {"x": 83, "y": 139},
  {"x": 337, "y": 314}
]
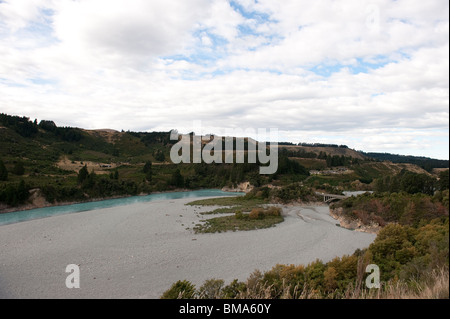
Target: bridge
[{"x": 328, "y": 198}]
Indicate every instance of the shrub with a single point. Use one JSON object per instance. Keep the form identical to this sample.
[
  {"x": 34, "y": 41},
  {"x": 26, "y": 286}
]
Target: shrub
[
  {"x": 260, "y": 213},
  {"x": 239, "y": 215},
  {"x": 211, "y": 289},
  {"x": 273, "y": 211},
  {"x": 18, "y": 169},
  {"x": 180, "y": 290},
  {"x": 256, "y": 213},
  {"x": 233, "y": 290}
]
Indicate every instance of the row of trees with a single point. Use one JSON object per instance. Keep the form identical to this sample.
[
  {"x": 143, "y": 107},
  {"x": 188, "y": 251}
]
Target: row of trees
[
  {"x": 27, "y": 128},
  {"x": 21, "y": 125},
  {"x": 322, "y": 145}
]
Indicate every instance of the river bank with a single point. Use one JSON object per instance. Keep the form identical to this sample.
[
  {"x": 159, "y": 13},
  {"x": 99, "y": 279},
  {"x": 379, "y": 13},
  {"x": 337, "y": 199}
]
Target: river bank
[{"x": 353, "y": 224}]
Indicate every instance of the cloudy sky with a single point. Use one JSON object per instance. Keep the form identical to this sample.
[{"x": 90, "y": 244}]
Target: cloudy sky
[{"x": 373, "y": 75}]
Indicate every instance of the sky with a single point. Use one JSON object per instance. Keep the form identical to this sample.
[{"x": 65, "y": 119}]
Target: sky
[{"x": 373, "y": 75}]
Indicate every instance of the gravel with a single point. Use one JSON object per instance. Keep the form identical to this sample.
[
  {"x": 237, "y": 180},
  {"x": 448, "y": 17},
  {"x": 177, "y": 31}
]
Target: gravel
[{"x": 140, "y": 250}]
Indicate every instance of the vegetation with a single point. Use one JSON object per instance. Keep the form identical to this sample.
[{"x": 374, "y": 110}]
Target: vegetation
[
  {"x": 247, "y": 212},
  {"x": 410, "y": 204},
  {"x": 258, "y": 218},
  {"x": 424, "y": 162},
  {"x": 3, "y": 171},
  {"x": 413, "y": 262},
  {"x": 411, "y": 250},
  {"x": 180, "y": 290},
  {"x": 14, "y": 194},
  {"x": 406, "y": 198},
  {"x": 230, "y": 204},
  {"x": 403, "y": 208},
  {"x": 408, "y": 182},
  {"x": 238, "y": 222},
  {"x": 148, "y": 171}
]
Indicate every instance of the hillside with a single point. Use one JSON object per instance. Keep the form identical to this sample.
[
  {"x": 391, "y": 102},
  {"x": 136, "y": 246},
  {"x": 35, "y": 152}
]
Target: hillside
[
  {"x": 338, "y": 151},
  {"x": 424, "y": 162},
  {"x": 42, "y": 159}
]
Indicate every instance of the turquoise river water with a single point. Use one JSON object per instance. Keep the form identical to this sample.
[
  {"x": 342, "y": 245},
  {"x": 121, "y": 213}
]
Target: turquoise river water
[{"x": 15, "y": 217}]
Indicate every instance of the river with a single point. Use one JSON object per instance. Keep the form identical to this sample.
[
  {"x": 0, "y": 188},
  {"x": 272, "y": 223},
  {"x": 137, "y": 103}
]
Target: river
[{"x": 20, "y": 216}]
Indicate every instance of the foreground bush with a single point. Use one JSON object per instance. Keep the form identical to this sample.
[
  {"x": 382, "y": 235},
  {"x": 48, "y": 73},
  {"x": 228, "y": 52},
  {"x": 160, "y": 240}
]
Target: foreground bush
[{"x": 180, "y": 290}]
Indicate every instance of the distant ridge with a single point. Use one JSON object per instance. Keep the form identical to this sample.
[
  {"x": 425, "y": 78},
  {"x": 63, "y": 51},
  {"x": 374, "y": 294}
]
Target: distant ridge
[
  {"x": 29, "y": 129},
  {"x": 425, "y": 162}
]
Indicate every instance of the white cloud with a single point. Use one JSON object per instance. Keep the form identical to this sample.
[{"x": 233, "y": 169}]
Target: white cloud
[{"x": 161, "y": 64}]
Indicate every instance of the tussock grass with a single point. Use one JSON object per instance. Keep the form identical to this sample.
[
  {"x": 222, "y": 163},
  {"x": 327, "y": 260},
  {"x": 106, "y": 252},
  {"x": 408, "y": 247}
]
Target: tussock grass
[{"x": 435, "y": 286}]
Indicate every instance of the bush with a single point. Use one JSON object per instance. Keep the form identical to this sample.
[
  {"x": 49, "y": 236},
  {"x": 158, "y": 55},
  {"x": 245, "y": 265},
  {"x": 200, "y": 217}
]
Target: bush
[
  {"x": 14, "y": 194},
  {"x": 233, "y": 290},
  {"x": 180, "y": 290},
  {"x": 261, "y": 213},
  {"x": 256, "y": 213},
  {"x": 211, "y": 289},
  {"x": 273, "y": 211},
  {"x": 239, "y": 215},
  {"x": 18, "y": 169}
]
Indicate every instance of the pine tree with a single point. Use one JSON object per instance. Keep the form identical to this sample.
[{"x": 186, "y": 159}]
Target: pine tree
[
  {"x": 83, "y": 174},
  {"x": 177, "y": 179},
  {"x": 148, "y": 171}
]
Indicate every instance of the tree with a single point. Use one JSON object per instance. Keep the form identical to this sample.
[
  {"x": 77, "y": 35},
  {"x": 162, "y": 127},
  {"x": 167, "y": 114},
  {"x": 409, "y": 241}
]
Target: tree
[
  {"x": 3, "y": 172},
  {"x": 148, "y": 170},
  {"x": 177, "y": 179},
  {"x": 330, "y": 275},
  {"x": 22, "y": 192},
  {"x": 444, "y": 180},
  {"x": 83, "y": 174},
  {"x": 18, "y": 169},
  {"x": 159, "y": 156},
  {"x": 90, "y": 180}
]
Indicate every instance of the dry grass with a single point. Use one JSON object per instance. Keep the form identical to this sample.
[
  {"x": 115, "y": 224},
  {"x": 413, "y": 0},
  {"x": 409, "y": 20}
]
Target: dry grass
[{"x": 436, "y": 286}]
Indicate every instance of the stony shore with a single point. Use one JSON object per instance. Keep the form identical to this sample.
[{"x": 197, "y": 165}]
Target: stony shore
[{"x": 139, "y": 250}]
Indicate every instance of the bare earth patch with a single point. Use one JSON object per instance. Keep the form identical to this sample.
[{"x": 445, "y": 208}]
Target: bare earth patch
[{"x": 98, "y": 168}]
